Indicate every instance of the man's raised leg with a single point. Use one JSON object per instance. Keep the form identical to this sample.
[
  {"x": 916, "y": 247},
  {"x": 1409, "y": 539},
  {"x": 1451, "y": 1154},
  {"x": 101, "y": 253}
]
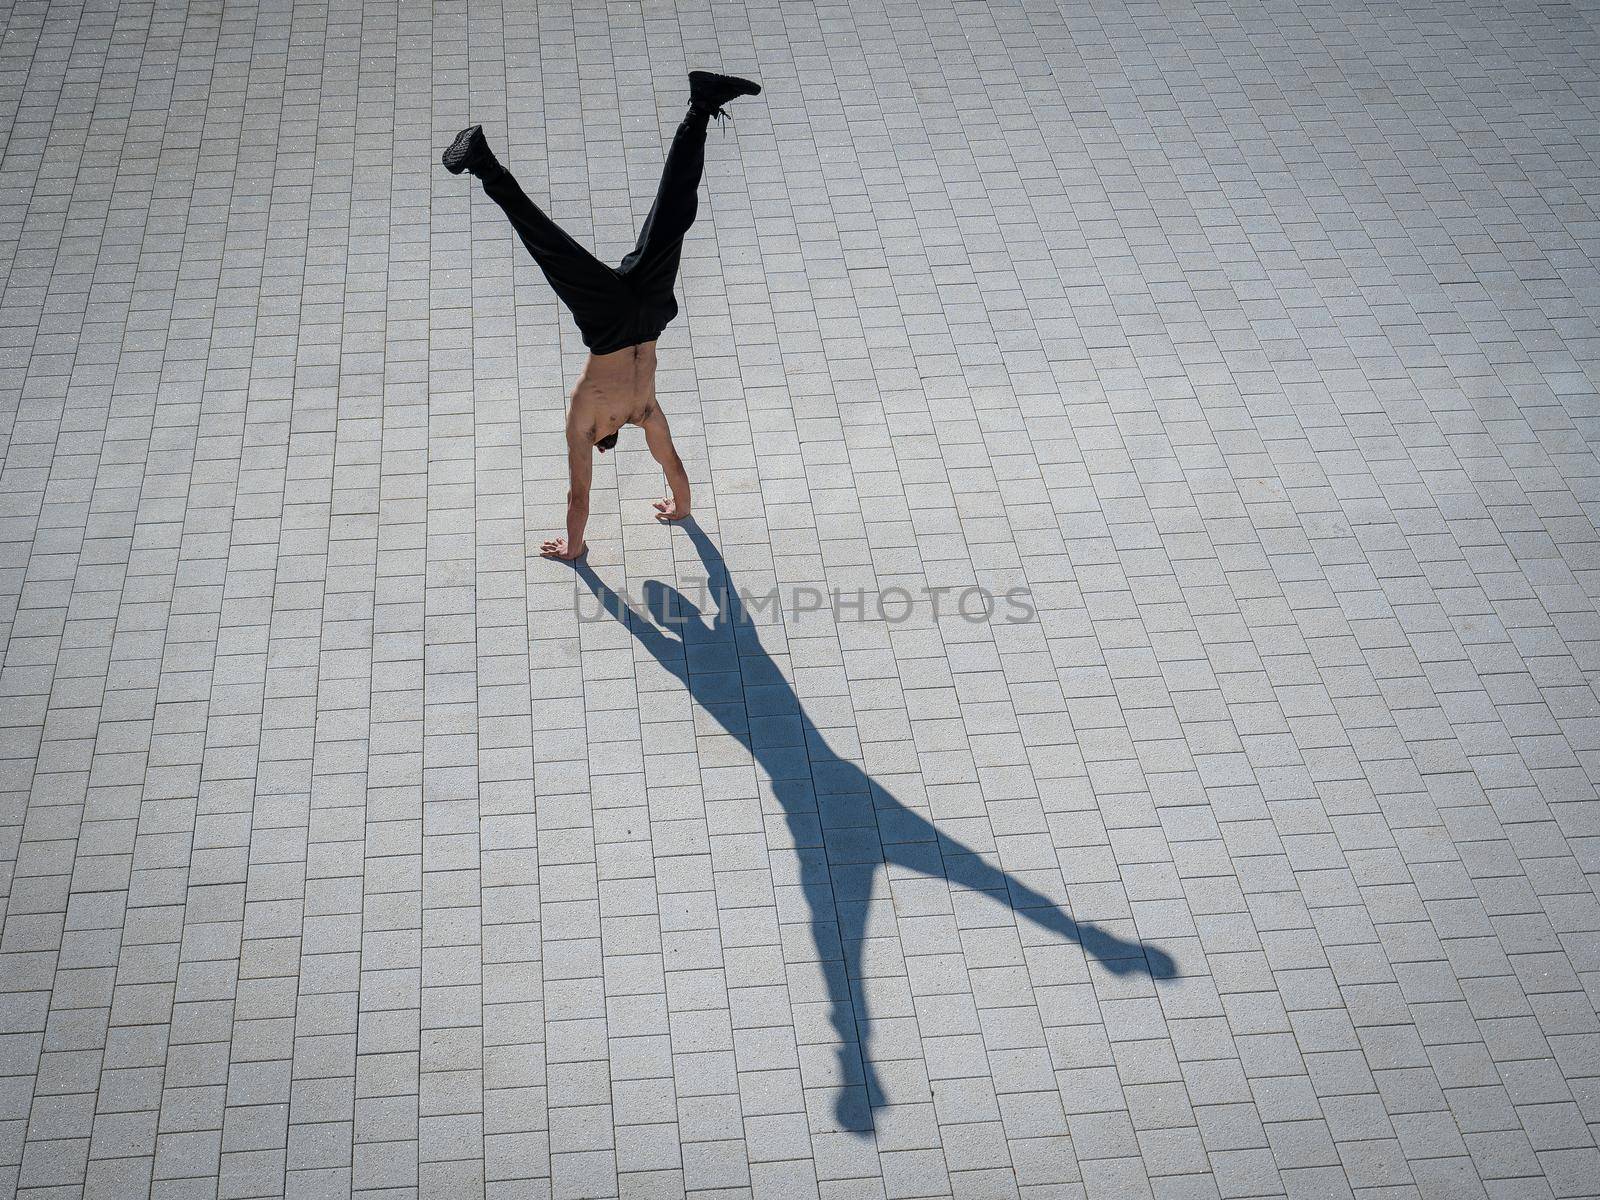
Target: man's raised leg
[
  {"x": 654, "y": 259},
  {"x": 587, "y": 286},
  {"x": 677, "y": 200},
  {"x": 578, "y": 277}
]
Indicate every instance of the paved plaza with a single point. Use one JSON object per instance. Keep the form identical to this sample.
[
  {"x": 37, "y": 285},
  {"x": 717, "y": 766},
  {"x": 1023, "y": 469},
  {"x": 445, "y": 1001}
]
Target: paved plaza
[{"x": 1124, "y": 720}]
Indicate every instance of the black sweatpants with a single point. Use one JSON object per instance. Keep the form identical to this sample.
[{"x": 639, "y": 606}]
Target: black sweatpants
[{"x": 621, "y": 306}]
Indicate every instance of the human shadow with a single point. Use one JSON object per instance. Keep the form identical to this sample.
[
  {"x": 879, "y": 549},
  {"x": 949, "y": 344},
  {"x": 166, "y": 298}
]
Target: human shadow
[{"x": 844, "y": 825}]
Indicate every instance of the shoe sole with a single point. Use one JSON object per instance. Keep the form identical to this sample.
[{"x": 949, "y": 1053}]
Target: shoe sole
[{"x": 455, "y": 158}]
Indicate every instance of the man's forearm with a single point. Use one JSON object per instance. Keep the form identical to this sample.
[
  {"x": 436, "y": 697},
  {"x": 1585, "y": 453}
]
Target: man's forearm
[
  {"x": 577, "y": 518},
  {"x": 678, "y": 481}
]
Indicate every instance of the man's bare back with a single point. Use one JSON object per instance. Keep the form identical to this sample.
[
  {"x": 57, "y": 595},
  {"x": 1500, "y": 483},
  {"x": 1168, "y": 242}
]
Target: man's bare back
[{"x": 614, "y": 390}]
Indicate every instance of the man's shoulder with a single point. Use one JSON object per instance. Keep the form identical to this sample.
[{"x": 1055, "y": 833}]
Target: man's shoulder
[
  {"x": 580, "y": 417},
  {"x": 580, "y": 434}
]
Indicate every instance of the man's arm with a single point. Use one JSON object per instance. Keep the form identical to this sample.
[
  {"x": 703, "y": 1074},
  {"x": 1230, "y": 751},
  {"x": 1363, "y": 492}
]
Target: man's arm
[
  {"x": 659, "y": 438},
  {"x": 580, "y": 469}
]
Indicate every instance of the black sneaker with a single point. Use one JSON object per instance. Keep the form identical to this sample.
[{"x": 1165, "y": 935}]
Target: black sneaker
[
  {"x": 468, "y": 150},
  {"x": 710, "y": 91}
]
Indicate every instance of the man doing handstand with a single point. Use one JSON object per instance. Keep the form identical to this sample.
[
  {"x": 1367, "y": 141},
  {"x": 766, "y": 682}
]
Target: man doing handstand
[{"x": 620, "y": 311}]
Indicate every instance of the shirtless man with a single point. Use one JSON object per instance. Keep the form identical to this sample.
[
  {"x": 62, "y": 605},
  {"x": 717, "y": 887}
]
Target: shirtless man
[
  {"x": 620, "y": 311},
  {"x": 616, "y": 390}
]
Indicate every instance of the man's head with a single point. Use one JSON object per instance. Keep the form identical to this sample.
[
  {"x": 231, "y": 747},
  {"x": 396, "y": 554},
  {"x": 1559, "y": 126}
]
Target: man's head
[{"x": 607, "y": 442}]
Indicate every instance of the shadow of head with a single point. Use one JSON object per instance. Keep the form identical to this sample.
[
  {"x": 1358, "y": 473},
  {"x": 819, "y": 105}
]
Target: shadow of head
[
  {"x": 672, "y": 611},
  {"x": 667, "y": 606}
]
